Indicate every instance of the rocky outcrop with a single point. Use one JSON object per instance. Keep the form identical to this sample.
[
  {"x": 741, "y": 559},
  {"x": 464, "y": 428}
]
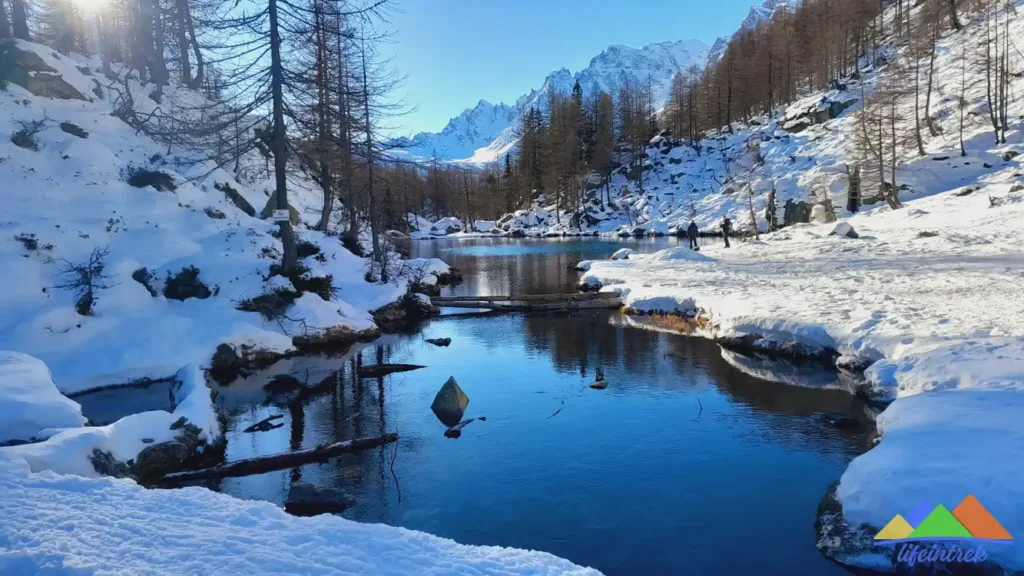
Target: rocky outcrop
[
  {"x": 236, "y": 198},
  {"x": 28, "y": 70},
  {"x": 407, "y": 311}
]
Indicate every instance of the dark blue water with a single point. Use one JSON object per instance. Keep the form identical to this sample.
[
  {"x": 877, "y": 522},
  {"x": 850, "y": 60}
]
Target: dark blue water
[{"x": 683, "y": 465}]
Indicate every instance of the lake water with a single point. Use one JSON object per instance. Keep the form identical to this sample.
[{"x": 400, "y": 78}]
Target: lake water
[{"x": 684, "y": 465}]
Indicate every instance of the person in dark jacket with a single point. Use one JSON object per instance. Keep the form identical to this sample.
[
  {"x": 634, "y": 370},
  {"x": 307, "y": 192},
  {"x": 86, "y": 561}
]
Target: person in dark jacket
[
  {"x": 691, "y": 233},
  {"x": 726, "y": 229}
]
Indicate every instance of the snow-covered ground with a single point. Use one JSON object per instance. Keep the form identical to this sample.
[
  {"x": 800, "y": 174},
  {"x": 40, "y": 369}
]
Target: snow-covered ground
[
  {"x": 932, "y": 295},
  {"x": 70, "y": 197},
  {"x": 55, "y": 524}
]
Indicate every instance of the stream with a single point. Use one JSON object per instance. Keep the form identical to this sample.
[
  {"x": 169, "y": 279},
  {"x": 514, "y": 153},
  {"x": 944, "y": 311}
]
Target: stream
[{"x": 684, "y": 464}]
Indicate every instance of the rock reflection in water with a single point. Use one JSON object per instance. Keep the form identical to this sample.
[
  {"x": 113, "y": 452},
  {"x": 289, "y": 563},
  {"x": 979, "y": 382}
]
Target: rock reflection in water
[{"x": 681, "y": 459}]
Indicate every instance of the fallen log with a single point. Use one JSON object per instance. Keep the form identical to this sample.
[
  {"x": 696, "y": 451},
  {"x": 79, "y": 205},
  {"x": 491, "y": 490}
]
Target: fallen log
[
  {"x": 378, "y": 370},
  {"x": 605, "y": 303},
  {"x": 577, "y": 296},
  {"x": 261, "y": 464}
]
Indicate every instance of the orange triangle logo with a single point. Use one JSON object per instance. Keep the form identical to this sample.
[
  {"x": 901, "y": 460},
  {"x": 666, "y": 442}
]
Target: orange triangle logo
[{"x": 978, "y": 521}]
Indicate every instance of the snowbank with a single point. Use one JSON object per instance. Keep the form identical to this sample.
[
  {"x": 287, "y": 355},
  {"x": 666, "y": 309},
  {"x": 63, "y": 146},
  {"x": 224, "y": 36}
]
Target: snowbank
[
  {"x": 68, "y": 451},
  {"x": 53, "y": 524},
  {"x": 931, "y": 296},
  {"x": 29, "y": 400}
]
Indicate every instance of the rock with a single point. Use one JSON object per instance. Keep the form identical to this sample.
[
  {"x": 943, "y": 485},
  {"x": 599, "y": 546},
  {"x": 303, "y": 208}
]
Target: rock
[
  {"x": 158, "y": 460},
  {"x": 104, "y": 463},
  {"x": 236, "y": 198},
  {"x": 623, "y": 254},
  {"x": 225, "y": 365},
  {"x": 179, "y": 423},
  {"x": 439, "y": 341},
  {"x": 305, "y": 499},
  {"x": 967, "y": 191},
  {"x": 214, "y": 213},
  {"x": 1010, "y": 155},
  {"x": 27, "y": 69},
  {"x": 271, "y": 205},
  {"x": 838, "y": 539},
  {"x": 408, "y": 310},
  {"x": 599, "y": 384},
  {"x": 844, "y": 229},
  {"x": 450, "y": 403},
  {"x": 927, "y": 234}
]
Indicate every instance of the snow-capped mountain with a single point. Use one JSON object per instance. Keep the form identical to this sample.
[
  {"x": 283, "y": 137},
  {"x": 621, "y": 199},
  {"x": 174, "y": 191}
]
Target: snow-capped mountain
[
  {"x": 757, "y": 14},
  {"x": 488, "y": 131},
  {"x": 475, "y": 128}
]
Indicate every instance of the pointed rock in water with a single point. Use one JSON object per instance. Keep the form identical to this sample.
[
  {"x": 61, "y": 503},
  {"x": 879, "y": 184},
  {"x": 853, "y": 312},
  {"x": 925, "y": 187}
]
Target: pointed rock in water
[
  {"x": 439, "y": 341},
  {"x": 599, "y": 384},
  {"x": 450, "y": 403}
]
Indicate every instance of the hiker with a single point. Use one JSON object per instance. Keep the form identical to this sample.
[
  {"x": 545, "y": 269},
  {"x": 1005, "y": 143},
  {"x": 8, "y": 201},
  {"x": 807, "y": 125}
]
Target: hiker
[
  {"x": 691, "y": 233},
  {"x": 726, "y": 229}
]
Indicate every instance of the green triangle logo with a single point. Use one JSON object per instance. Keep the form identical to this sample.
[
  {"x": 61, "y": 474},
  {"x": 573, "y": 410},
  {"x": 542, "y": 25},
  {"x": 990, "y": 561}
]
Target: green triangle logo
[{"x": 940, "y": 524}]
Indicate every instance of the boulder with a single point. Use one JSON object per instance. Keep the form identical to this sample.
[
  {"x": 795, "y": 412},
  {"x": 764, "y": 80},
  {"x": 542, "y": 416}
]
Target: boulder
[
  {"x": 28, "y": 70},
  {"x": 156, "y": 460},
  {"x": 305, "y": 499},
  {"x": 445, "y": 342},
  {"x": 844, "y": 229},
  {"x": 235, "y": 197},
  {"x": 623, "y": 254},
  {"x": 268, "y": 210},
  {"x": 450, "y": 403},
  {"x": 225, "y": 364},
  {"x": 104, "y": 463},
  {"x": 1010, "y": 155}
]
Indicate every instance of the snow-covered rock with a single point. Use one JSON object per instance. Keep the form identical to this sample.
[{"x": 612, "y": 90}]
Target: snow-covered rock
[
  {"x": 845, "y": 230},
  {"x": 447, "y": 225},
  {"x": 623, "y": 254},
  {"x": 484, "y": 225},
  {"x": 29, "y": 400}
]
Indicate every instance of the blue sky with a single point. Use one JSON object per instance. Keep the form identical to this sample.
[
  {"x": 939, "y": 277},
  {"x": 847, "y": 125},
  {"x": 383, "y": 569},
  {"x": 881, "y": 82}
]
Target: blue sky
[{"x": 457, "y": 52}]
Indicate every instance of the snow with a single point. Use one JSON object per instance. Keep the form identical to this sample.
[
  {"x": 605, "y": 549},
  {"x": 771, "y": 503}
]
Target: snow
[
  {"x": 29, "y": 400},
  {"x": 72, "y": 196},
  {"x": 483, "y": 225},
  {"x": 623, "y": 254},
  {"x": 54, "y": 524},
  {"x": 67, "y": 451},
  {"x": 932, "y": 295}
]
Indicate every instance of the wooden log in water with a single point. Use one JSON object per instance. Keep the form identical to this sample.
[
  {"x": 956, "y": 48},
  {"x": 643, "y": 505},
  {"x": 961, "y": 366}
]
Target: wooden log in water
[
  {"x": 525, "y": 306},
  {"x": 378, "y": 370},
  {"x": 576, "y": 296},
  {"x": 261, "y": 464}
]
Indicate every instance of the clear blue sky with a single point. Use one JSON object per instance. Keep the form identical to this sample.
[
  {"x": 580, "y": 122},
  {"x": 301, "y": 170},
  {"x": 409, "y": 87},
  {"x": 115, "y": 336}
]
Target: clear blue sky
[{"x": 457, "y": 52}]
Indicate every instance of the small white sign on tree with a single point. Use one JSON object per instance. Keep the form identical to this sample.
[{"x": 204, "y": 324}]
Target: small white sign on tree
[{"x": 281, "y": 216}]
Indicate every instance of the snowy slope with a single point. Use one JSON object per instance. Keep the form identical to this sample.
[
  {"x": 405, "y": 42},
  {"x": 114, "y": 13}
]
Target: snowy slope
[
  {"x": 70, "y": 197},
  {"x": 930, "y": 295},
  {"x": 486, "y": 132}
]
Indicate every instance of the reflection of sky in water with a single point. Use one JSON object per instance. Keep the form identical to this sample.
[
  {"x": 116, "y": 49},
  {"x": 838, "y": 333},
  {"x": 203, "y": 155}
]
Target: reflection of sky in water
[
  {"x": 686, "y": 464},
  {"x": 635, "y": 479}
]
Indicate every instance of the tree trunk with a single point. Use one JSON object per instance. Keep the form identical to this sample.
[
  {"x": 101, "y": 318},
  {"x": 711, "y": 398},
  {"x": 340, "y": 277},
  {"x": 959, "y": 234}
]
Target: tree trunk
[
  {"x": 184, "y": 62},
  {"x": 5, "y": 26},
  {"x": 323, "y": 128},
  {"x": 278, "y": 144},
  {"x": 931, "y": 75},
  {"x": 954, "y": 19},
  {"x": 19, "y": 20},
  {"x": 262, "y": 464},
  {"x": 374, "y": 217}
]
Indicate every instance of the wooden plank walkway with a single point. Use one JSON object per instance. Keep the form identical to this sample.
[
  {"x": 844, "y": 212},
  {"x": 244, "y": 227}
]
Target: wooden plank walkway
[{"x": 533, "y": 302}]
